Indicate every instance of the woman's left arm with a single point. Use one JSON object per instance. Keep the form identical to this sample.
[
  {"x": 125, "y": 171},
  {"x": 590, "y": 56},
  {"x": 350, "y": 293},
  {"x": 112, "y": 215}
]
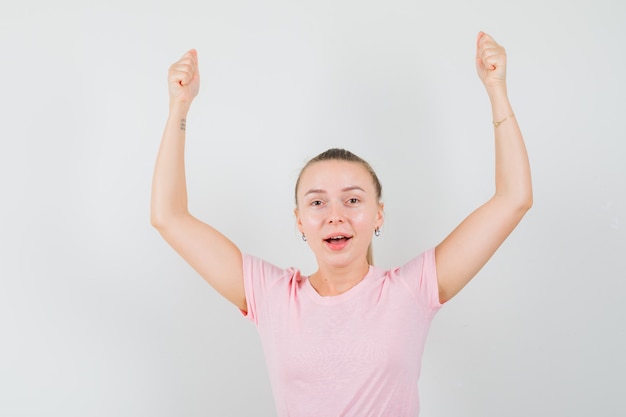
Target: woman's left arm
[{"x": 470, "y": 245}]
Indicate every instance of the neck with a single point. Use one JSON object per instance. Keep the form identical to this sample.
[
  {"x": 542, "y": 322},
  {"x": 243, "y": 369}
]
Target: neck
[{"x": 329, "y": 281}]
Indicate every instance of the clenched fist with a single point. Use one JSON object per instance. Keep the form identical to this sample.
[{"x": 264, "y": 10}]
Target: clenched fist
[
  {"x": 490, "y": 62},
  {"x": 184, "y": 79}
]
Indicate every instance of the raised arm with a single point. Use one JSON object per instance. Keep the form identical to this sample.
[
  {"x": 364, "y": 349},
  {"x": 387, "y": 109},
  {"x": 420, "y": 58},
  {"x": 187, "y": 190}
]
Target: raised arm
[
  {"x": 470, "y": 245},
  {"x": 209, "y": 252}
]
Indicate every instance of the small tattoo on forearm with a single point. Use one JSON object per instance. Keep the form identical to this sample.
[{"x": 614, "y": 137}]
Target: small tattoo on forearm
[{"x": 183, "y": 124}]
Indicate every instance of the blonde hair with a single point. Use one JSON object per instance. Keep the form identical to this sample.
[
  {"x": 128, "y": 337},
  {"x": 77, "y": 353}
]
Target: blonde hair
[{"x": 338, "y": 154}]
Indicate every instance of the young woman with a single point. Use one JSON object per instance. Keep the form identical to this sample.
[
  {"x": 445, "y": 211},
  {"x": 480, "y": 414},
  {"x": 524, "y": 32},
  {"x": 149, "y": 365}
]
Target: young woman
[{"x": 348, "y": 339}]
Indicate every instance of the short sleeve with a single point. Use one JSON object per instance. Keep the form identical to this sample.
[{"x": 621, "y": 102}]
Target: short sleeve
[
  {"x": 420, "y": 276},
  {"x": 258, "y": 277}
]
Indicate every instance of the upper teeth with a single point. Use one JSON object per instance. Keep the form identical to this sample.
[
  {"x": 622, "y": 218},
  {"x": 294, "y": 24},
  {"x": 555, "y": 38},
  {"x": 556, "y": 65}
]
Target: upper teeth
[{"x": 338, "y": 237}]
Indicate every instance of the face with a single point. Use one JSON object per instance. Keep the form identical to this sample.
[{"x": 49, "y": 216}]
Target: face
[{"x": 338, "y": 211}]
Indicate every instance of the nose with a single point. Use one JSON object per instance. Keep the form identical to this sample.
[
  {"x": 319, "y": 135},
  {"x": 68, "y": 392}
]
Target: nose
[{"x": 335, "y": 215}]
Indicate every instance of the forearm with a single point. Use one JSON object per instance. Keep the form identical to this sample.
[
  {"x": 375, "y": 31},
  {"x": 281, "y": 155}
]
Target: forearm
[
  {"x": 169, "y": 188},
  {"x": 513, "y": 180}
]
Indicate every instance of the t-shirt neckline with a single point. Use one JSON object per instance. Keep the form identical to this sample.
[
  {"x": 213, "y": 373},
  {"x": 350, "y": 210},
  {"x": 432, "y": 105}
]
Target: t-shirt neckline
[{"x": 339, "y": 298}]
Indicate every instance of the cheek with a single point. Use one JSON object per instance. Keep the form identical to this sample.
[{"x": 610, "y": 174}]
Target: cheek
[
  {"x": 361, "y": 217},
  {"x": 366, "y": 214},
  {"x": 310, "y": 217}
]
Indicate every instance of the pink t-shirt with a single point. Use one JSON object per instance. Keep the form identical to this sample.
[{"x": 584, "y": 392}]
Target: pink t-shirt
[{"x": 355, "y": 354}]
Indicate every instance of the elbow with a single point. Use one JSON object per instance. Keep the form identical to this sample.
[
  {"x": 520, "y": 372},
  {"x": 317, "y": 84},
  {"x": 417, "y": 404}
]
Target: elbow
[
  {"x": 156, "y": 216},
  {"x": 526, "y": 196},
  {"x": 522, "y": 205},
  {"x": 160, "y": 214},
  {"x": 527, "y": 201},
  {"x": 156, "y": 221},
  {"x": 516, "y": 193},
  {"x": 518, "y": 203},
  {"x": 164, "y": 220}
]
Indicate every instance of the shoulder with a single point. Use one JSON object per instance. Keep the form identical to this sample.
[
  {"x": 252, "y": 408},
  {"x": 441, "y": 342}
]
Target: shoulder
[
  {"x": 422, "y": 264},
  {"x": 419, "y": 275},
  {"x": 267, "y": 285},
  {"x": 255, "y": 268}
]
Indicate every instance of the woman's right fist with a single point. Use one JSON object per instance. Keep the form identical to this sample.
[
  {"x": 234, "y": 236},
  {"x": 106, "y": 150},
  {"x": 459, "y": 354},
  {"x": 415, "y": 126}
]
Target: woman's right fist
[{"x": 184, "y": 79}]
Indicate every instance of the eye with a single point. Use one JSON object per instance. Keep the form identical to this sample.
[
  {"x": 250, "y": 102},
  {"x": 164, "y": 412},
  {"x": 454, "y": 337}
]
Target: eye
[
  {"x": 316, "y": 203},
  {"x": 353, "y": 200}
]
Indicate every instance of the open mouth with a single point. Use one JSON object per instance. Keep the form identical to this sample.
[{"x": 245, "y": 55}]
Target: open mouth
[{"x": 338, "y": 241}]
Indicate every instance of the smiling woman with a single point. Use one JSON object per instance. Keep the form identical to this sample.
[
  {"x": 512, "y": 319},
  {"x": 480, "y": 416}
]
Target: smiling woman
[
  {"x": 348, "y": 339},
  {"x": 338, "y": 203}
]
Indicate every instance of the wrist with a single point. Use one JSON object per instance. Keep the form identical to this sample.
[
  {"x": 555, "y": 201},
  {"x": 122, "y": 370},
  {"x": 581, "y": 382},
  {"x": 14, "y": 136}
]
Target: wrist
[
  {"x": 179, "y": 109},
  {"x": 501, "y": 109},
  {"x": 497, "y": 92}
]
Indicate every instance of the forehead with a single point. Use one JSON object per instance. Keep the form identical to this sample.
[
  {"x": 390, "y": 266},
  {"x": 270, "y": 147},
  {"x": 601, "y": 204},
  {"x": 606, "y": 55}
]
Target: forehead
[{"x": 334, "y": 174}]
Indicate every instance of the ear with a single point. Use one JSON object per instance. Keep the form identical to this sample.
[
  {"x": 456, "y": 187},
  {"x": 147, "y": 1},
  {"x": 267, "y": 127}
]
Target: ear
[
  {"x": 380, "y": 216},
  {"x": 296, "y": 213}
]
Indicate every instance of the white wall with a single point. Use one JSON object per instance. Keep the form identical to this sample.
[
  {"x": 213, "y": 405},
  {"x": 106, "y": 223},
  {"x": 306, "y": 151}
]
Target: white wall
[{"x": 98, "y": 317}]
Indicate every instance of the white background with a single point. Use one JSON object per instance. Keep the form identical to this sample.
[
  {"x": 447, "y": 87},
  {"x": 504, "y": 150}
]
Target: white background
[{"x": 99, "y": 317}]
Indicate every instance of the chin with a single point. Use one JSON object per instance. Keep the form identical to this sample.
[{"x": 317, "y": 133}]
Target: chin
[{"x": 337, "y": 260}]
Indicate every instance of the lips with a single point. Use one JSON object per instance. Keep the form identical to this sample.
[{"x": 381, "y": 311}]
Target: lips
[
  {"x": 337, "y": 237},
  {"x": 337, "y": 241}
]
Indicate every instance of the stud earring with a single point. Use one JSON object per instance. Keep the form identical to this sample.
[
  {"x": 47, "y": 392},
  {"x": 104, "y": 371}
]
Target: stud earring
[
  {"x": 377, "y": 231},
  {"x": 303, "y": 237}
]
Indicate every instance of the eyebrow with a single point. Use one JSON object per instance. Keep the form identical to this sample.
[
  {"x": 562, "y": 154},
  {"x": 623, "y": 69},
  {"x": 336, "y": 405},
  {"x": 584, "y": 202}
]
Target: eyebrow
[{"x": 320, "y": 191}]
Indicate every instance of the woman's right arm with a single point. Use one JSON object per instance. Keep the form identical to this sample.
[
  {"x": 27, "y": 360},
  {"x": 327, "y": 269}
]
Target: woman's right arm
[{"x": 208, "y": 251}]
